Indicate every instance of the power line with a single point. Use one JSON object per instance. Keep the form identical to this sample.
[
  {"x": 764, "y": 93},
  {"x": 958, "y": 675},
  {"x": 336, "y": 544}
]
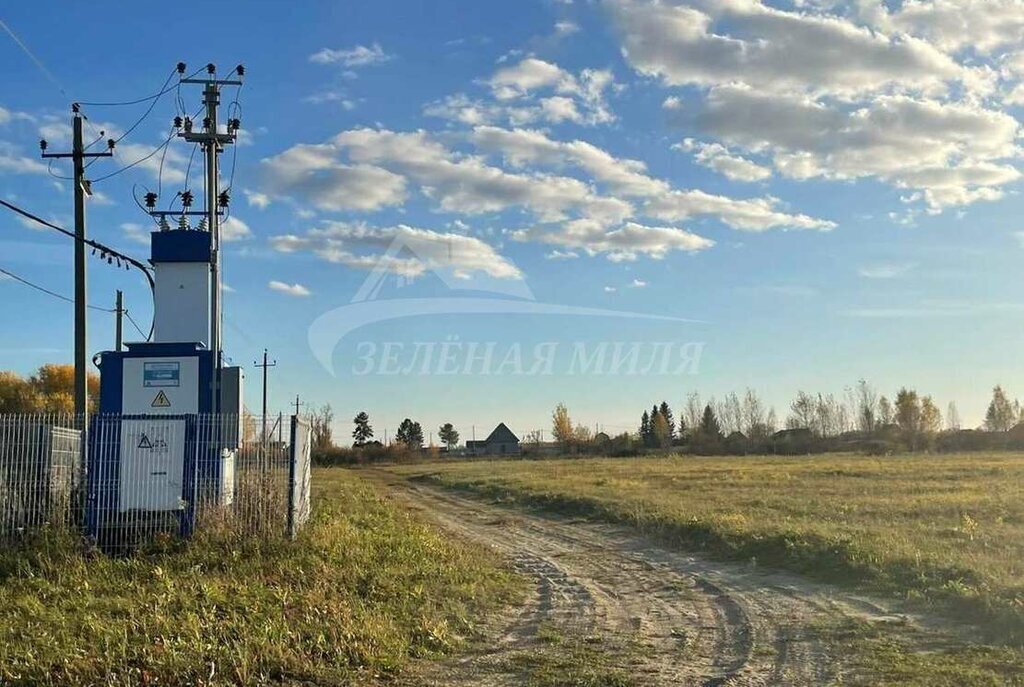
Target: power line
[
  {"x": 137, "y": 327},
  {"x": 149, "y": 109},
  {"x": 163, "y": 89},
  {"x": 106, "y": 250},
  {"x": 139, "y": 161},
  {"x": 45, "y": 290}
]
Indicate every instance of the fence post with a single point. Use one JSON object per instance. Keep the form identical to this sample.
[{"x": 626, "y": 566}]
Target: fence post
[{"x": 293, "y": 460}]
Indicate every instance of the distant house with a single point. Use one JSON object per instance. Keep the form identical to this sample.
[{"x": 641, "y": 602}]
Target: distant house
[{"x": 500, "y": 442}]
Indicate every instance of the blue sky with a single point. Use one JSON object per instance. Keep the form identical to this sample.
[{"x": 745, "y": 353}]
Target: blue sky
[{"x": 831, "y": 189}]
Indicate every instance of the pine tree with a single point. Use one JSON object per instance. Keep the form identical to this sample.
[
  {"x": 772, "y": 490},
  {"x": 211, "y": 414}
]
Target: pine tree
[
  {"x": 645, "y": 428},
  {"x": 709, "y": 426},
  {"x": 363, "y": 431},
  {"x": 411, "y": 434}
]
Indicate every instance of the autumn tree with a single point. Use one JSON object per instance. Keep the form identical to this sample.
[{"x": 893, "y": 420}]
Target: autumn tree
[
  {"x": 886, "y": 413},
  {"x": 931, "y": 417},
  {"x": 561, "y": 425},
  {"x": 1001, "y": 415},
  {"x": 866, "y": 399},
  {"x": 661, "y": 435},
  {"x": 449, "y": 435},
  {"x": 320, "y": 421},
  {"x": 908, "y": 415},
  {"x": 50, "y": 390},
  {"x": 17, "y": 395},
  {"x": 363, "y": 432},
  {"x": 803, "y": 412},
  {"x": 666, "y": 412},
  {"x": 692, "y": 411}
]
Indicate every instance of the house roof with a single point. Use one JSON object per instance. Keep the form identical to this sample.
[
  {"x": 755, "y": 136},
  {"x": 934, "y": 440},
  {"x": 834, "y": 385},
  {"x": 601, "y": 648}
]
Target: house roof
[{"x": 502, "y": 435}]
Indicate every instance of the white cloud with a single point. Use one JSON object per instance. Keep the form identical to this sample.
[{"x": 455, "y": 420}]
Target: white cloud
[
  {"x": 297, "y": 290},
  {"x": 624, "y": 243},
  {"x": 953, "y": 25},
  {"x": 717, "y": 157},
  {"x": 638, "y": 284},
  {"x": 135, "y": 233},
  {"x": 358, "y": 56},
  {"x": 525, "y": 146},
  {"x": 531, "y": 91},
  {"x": 172, "y": 170},
  {"x": 567, "y": 254},
  {"x": 953, "y": 153},
  {"x": 753, "y": 214},
  {"x": 467, "y": 185},
  {"x": 314, "y": 173},
  {"x": 256, "y": 199},
  {"x": 570, "y": 212},
  {"x": 610, "y": 289},
  {"x": 746, "y": 41},
  {"x": 400, "y": 249},
  {"x": 331, "y": 96},
  {"x": 14, "y": 162},
  {"x": 630, "y": 178},
  {"x": 885, "y": 270},
  {"x": 566, "y": 28},
  {"x": 529, "y": 75},
  {"x": 234, "y": 229}
]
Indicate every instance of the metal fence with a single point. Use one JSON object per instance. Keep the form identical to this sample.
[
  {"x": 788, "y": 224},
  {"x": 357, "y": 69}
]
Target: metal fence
[{"x": 126, "y": 481}]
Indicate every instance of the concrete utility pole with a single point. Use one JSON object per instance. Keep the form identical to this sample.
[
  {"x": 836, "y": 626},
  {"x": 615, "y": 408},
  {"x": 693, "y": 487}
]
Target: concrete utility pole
[
  {"x": 213, "y": 142},
  {"x": 265, "y": 365},
  {"x": 119, "y": 329},
  {"x": 82, "y": 187}
]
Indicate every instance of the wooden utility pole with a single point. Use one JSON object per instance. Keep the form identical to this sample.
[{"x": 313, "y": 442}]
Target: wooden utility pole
[
  {"x": 82, "y": 188},
  {"x": 119, "y": 328},
  {"x": 266, "y": 366}
]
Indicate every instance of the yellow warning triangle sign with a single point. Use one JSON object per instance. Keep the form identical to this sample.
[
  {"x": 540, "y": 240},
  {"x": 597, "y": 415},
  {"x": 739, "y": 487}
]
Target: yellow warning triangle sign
[{"x": 161, "y": 401}]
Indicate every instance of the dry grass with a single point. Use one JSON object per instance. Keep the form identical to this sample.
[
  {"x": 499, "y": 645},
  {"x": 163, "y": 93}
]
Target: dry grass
[
  {"x": 946, "y": 532},
  {"x": 363, "y": 589}
]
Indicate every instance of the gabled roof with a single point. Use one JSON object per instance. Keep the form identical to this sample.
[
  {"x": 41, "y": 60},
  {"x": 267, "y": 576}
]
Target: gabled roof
[{"x": 502, "y": 435}]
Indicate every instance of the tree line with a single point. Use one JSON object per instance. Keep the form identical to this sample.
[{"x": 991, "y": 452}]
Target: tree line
[
  {"x": 51, "y": 389},
  {"x": 860, "y": 418}
]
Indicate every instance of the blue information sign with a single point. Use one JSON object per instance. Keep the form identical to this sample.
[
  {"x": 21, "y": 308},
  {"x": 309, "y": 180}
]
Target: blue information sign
[{"x": 161, "y": 374}]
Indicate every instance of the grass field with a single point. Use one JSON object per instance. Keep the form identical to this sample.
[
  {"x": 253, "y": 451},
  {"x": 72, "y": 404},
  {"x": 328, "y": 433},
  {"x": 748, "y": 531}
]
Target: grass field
[
  {"x": 945, "y": 532},
  {"x": 364, "y": 589}
]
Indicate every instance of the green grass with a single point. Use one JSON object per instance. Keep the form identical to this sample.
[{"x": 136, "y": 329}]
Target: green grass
[
  {"x": 945, "y": 532},
  {"x": 569, "y": 660},
  {"x": 363, "y": 590},
  {"x": 899, "y": 657}
]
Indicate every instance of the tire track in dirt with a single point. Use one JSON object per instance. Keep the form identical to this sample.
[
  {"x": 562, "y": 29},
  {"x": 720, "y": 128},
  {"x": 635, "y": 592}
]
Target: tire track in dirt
[{"x": 696, "y": 622}]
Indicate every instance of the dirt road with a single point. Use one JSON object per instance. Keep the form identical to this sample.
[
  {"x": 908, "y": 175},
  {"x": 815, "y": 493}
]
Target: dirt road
[{"x": 690, "y": 621}]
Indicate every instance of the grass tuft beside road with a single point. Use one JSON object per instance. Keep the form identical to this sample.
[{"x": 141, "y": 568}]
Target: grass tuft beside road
[
  {"x": 364, "y": 589},
  {"x": 946, "y": 532}
]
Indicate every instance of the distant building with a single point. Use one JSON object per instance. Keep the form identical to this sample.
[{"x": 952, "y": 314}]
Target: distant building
[{"x": 500, "y": 442}]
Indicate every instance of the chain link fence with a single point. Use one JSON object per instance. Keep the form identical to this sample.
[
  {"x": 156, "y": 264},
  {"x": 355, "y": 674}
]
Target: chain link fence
[{"x": 126, "y": 481}]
